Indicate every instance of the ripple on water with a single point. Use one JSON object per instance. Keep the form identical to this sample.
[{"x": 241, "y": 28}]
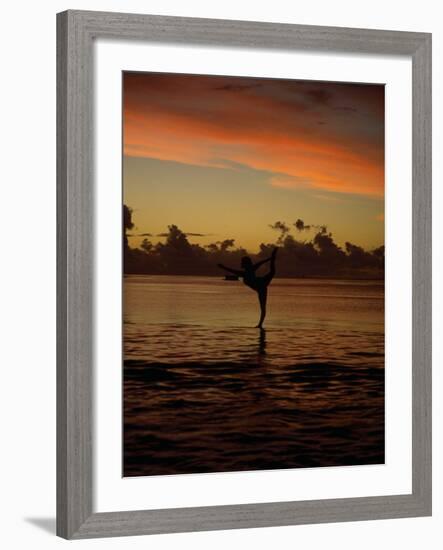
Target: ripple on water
[{"x": 206, "y": 392}]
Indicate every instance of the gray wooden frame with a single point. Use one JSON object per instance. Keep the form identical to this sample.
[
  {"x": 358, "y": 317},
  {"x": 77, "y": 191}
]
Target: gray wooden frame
[{"x": 76, "y": 31}]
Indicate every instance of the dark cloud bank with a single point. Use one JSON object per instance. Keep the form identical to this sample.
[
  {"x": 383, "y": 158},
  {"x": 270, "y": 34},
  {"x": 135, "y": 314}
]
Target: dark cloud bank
[{"x": 298, "y": 257}]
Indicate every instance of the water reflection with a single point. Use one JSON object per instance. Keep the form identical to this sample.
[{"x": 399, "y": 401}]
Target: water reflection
[
  {"x": 204, "y": 391},
  {"x": 262, "y": 342}
]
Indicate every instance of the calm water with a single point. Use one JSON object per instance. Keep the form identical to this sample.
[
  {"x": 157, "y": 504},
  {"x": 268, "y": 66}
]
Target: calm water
[{"x": 206, "y": 392}]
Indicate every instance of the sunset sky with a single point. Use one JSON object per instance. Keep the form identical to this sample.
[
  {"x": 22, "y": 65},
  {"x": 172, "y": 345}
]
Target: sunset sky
[{"x": 224, "y": 157}]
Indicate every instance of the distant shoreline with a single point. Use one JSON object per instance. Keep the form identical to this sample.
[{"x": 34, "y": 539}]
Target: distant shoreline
[{"x": 307, "y": 277}]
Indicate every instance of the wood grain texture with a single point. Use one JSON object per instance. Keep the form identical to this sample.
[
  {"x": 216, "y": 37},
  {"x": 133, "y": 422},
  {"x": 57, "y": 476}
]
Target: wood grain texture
[
  {"x": 76, "y": 31},
  {"x": 241, "y": 516},
  {"x": 190, "y": 30},
  {"x": 422, "y": 271},
  {"x": 74, "y": 290},
  {"x": 62, "y": 365}
]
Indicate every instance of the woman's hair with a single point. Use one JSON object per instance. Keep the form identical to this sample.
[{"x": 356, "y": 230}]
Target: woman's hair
[{"x": 246, "y": 262}]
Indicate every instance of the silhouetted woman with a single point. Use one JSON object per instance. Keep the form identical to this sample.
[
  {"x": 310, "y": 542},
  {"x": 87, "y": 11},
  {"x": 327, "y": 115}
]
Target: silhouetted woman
[{"x": 259, "y": 284}]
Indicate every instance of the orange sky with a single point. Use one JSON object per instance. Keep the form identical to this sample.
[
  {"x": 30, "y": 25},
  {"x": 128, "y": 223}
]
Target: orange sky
[{"x": 300, "y": 135}]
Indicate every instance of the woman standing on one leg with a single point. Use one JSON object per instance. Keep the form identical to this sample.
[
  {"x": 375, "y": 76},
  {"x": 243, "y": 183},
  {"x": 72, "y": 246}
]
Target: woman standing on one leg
[
  {"x": 259, "y": 284},
  {"x": 262, "y": 298}
]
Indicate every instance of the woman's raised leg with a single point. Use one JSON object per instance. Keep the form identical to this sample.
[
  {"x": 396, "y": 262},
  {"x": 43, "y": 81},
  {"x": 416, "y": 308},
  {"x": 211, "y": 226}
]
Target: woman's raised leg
[{"x": 270, "y": 275}]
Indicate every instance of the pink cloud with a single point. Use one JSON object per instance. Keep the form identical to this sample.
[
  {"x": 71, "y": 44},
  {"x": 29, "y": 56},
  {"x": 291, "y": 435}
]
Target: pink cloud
[{"x": 266, "y": 125}]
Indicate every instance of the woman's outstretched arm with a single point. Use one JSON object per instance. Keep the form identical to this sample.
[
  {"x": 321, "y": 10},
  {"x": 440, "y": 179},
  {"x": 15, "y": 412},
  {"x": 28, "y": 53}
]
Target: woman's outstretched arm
[
  {"x": 270, "y": 259},
  {"x": 234, "y": 271}
]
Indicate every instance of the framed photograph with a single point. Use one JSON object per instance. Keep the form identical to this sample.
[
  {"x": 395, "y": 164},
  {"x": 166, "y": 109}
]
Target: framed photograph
[{"x": 244, "y": 274}]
